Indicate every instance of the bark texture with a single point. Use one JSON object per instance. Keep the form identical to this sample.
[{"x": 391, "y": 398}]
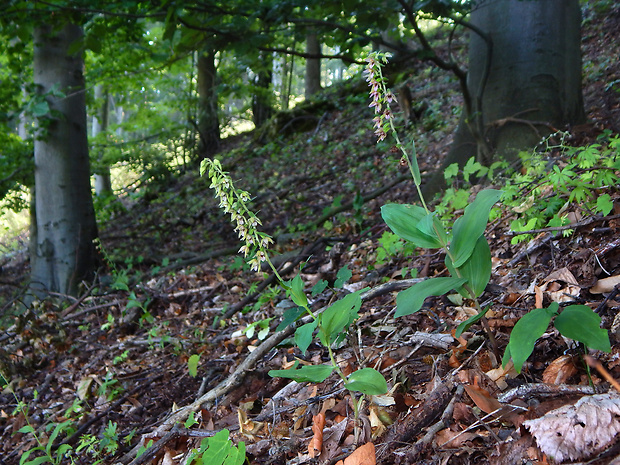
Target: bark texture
[
  {"x": 525, "y": 82},
  {"x": 66, "y": 227},
  {"x": 313, "y": 65},
  {"x": 208, "y": 121}
]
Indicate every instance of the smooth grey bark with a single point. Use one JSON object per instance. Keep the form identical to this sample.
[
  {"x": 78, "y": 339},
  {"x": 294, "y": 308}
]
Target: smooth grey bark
[
  {"x": 66, "y": 227},
  {"x": 529, "y": 84},
  {"x": 313, "y": 65},
  {"x": 208, "y": 120},
  {"x": 103, "y": 179}
]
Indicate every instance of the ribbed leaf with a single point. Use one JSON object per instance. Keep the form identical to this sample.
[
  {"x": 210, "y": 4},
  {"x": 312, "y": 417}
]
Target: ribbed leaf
[
  {"x": 403, "y": 220},
  {"x": 477, "y": 269}
]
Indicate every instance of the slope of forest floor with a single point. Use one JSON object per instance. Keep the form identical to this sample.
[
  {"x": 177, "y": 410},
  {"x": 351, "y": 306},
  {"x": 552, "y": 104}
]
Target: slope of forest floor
[{"x": 115, "y": 364}]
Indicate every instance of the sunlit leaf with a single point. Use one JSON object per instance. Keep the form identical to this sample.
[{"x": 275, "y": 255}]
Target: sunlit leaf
[
  {"x": 192, "y": 365},
  {"x": 403, "y": 221},
  {"x": 367, "y": 381}
]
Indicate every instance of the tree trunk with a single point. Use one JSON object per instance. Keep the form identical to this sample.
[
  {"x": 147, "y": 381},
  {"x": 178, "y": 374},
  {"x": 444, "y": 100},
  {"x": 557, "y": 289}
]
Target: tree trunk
[
  {"x": 208, "y": 120},
  {"x": 262, "y": 100},
  {"x": 313, "y": 65},
  {"x": 66, "y": 227},
  {"x": 103, "y": 179},
  {"x": 531, "y": 85}
]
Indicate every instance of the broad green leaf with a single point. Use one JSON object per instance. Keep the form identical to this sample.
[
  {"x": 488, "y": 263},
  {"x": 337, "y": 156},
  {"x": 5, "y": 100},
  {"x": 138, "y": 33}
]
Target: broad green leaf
[
  {"x": 465, "y": 325},
  {"x": 526, "y": 332},
  {"x": 403, "y": 221},
  {"x": 307, "y": 373},
  {"x": 297, "y": 292},
  {"x": 469, "y": 227},
  {"x": 477, "y": 269},
  {"x": 410, "y": 301},
  {"x": 338, "y": 316},
  {"x": 218, "y": 448},
  {"x": 26, "y": 429},
  {"x": 367, "y": 381},
  {"x": 303, "y": 335},
  {"x": 344, "y": 274},
  {"x": 580, "y": 323},
  {"x": 192, "y": 365},
  {"x": 291, "y": 315}
]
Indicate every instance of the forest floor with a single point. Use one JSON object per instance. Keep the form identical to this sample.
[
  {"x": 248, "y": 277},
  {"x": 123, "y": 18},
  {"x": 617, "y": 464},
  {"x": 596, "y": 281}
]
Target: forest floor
[{"x": 118, "y": 363}]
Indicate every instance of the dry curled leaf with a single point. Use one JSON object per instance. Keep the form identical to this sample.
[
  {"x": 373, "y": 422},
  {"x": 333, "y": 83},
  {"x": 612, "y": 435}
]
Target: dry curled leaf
[
  {"x": 483, "y": 400},
  {"x": 580, "y": 431},
  {"x": 559, "y": 370},
  {"x": 316, "y": 443}
]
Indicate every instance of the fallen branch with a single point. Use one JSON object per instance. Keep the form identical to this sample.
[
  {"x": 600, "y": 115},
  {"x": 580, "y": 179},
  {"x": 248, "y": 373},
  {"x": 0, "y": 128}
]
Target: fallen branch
[{"x": 236, "y": 378}]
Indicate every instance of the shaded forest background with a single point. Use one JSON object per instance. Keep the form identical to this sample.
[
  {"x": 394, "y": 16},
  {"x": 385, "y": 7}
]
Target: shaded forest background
[{"x": 112, "y": 360}]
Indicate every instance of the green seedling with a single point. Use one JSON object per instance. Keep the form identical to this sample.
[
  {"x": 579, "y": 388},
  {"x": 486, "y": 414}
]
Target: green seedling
[{"x": 577, "y": 322}]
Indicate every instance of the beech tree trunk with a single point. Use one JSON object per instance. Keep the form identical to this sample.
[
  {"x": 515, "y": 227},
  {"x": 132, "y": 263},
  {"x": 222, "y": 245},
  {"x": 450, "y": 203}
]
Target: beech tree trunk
[
  {"x": 525, "y": 84},
  {"x": 66, "y": 227},
  {"x": 313, "y": 65},
  {"x": 208, "y": 120},
  {"x": 103, "y": 179}
]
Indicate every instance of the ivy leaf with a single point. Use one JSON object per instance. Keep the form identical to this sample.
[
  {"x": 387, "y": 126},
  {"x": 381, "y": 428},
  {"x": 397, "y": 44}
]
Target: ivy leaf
[
  {"x": 410, "y": 301},
  {"x": 344, "y": 274},
  {"x": 580, "y": 323},
  {"x": 319, "y": 287},
  {"x": 367, "y": 381},
  {"x": 291, "y": 315}
]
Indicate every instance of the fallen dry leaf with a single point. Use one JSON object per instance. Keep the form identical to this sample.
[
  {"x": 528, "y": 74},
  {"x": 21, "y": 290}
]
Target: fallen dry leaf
[
  {"x": 483, "y": 400},
  {"x": 363, "y": 455},
  {"x": 605, "y": 285},
  {"x": 453, "y": 439},
  {"x": 563, "y": 274},
  {"x": 580, "y": 431},
  {"x": 559, "y": 370},
  {"x": 316, "y": 443}
]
